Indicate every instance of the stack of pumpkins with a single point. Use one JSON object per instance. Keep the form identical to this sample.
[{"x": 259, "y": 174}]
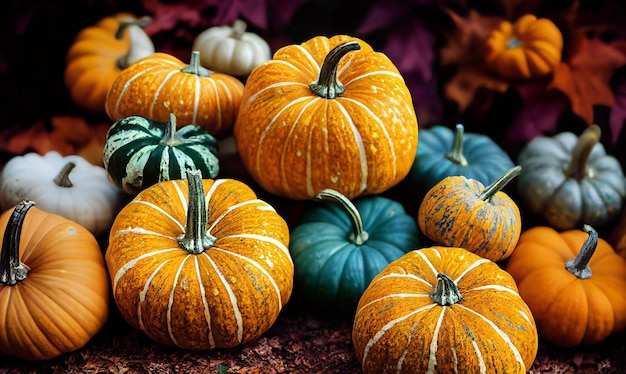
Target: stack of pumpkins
[{"x": 200, "y": 262}]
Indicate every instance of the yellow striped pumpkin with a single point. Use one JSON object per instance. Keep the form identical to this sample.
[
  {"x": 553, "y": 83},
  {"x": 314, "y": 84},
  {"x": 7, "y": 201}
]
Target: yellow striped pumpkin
[
  {"x": 158, "y": 85},
  {"x": 327, "y": 113},
  {"x": 444, "y": 310},
  {"x": 200, "y": 264}
]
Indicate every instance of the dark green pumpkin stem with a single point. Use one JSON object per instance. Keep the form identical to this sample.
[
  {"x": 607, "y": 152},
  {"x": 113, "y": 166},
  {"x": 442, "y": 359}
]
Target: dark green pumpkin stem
[
  {"x": 125, "y": 61},
  {"x": 499, "y": 184},
  {"x": 359, "y": 235},
  {"x": 446, "y": 292},
  {"x": 194, "y": 66},
  {"x": 580, "y": 154},
  {"x": 12, "y": 270},
  {"x": 196, "y": 240},
  {"x": 327, "y": 85},
  {"x": 63, "y": 178},
  {"x": 456, "y": 154},
  {"x": 579, "y": 266},
  {"x": 238, "y": 29}
]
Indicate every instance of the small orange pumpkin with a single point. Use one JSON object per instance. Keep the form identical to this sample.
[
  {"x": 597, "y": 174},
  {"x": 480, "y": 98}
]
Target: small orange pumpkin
[
  {"x": 444, "y": 310},
  {"x": 461, "y": 212},
  {"x": 327, "y": 113},
  {"x": 529, "y": 48},
  {"x": 99, "y": 53},
  {"x": 161, "y": 84},
  {"x": 573, "y": 282},
  {"x": 200, "y": 264},
  {"x": 54, "y": 288}
]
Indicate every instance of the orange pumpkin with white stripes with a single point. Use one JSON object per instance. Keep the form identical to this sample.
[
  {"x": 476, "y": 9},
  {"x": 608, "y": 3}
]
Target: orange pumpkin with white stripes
[
  {"x": 158, "y": 85},
  {"x": 200, "y": 264},
  {"x": 327, "y": 113},
  {"x": 444, "y": 310}
]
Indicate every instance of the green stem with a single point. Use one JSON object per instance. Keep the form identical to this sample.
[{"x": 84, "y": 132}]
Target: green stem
[
  {"x": 327, "y": 85},
  {"x": 196, "y": 240},
  {"x": 238, "y": 29},
  {"x": 579, "y": 266},
  {"x": 359, "y": 235},
  {"x": 446, "y": 292},
  {"x": 456, "y": 154},
  {"x": 499, "y": 184},
  {"x": 140, "y": 44},
  {"x": 194, "y": 66},
  {"x": 12, "y": 270},
  {"x": 63, "y": 178},
  {"x": 580, "y": 154}
]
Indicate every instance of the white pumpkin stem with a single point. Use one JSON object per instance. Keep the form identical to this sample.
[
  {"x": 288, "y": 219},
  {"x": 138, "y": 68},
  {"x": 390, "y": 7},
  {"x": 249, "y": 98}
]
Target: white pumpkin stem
[
  {"x": 499, "y": 184},
  {"x": 359, "y": 235},
  {"x": 12, "y": 270},
  {"x": 456, "y": 154},
  {"x": 327, "y": 85},
  {"x": 238, "y": 29},
  {"x": 196, "y": 240},
  {"x": 446, "y": 292},
  {"x": 580, "y": 154},
  {"x": 63, "y": 178},
  {"x": 194, "y": 66},
  {"x": 169, "y": 133},
  {"x": 140, "y": 44},
  {"x": 579, "y": 266}
]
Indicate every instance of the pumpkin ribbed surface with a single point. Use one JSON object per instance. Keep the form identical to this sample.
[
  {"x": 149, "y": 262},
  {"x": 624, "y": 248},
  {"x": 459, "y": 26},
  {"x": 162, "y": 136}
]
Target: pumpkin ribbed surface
[
  {"x": 222, "y": 297},
  {"x": 295, "y": 143},
  {"x": 156, "y": 86},
  {"x": 399, "y": 328}
]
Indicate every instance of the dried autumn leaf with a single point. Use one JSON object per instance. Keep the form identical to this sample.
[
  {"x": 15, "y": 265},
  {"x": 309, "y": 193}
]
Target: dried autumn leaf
[{"x": 585, "y": 74}]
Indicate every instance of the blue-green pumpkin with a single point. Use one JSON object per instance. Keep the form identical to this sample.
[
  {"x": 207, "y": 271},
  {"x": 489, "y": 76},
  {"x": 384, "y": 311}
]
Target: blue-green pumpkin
[
  {"x": 443, "y": 152},
  {"x": 139, "y": 152},
  {"x": 338, "y": 248}
]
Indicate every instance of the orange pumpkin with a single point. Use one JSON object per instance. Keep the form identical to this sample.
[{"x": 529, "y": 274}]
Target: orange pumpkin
[
  {"x": 531, "y": 47},
  {"x": 54, "y": 288},
  {"x": 200, "y": 265},
  {"x": 328, "y": 113},
  {"x": 159, "y": 85},
  {"x": 444, "y": 310},
  {"x": 573, "y": 282},
  {"x": 617, "y": 236},
  {"x": 98, "y": 54},
  {"x": 461, "y": 212}
]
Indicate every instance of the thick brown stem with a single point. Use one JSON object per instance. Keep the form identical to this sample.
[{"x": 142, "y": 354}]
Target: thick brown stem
[
  {"x": 580, "y": 154},
  {"x": 63, "y": 178},
  {"x": 327, "y": 85},
  {"x": 12, "y": 270}
]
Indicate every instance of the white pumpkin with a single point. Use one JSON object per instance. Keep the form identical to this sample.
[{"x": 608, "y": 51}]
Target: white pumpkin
[
  {"x": 69, "y": 186},
  {"x": 231, "y": 50}
]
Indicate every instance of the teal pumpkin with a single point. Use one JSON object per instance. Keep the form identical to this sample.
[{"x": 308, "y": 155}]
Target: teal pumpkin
[
  {"x": 140, "y": 152},
  {"x": 337, "y": 249},
  {"x": 443, "y": 152}
]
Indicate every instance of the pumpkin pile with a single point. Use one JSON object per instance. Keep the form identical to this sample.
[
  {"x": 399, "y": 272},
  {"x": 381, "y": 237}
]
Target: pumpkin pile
[{"x": 199, "y": 260}]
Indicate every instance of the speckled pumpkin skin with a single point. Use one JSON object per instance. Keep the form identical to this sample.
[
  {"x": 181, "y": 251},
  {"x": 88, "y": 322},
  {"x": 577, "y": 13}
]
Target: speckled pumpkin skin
[
  {"x": 223, "y": 297},
  {"x": 398, "y": 328}
]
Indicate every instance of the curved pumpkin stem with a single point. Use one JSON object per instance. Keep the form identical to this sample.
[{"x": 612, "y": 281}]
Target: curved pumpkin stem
[
  {"x": 140, "y": 43},
  {"x": 446, "y": 292},
  {"x": 499, "y": 184},
  {"x": 327, "y": 85},
  {"x": 359, "y": 235},
  {"x": 456, "y": 154},
  {"x": 579, "y": 266},
  {"x": 194, "y": 66},
  {"x": 63, "y": 178},
  {"x": 12, "y": 270},
  {"x": 196, "y": 240},
  {"x": 580, "y": 154},
  {"x": 169, "y": 134}
]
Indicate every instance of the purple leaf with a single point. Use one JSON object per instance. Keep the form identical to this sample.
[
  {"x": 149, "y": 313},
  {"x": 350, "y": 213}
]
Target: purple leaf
[
  {"x": 618, "y": 111},
  {"x": 411, "y": 48}
]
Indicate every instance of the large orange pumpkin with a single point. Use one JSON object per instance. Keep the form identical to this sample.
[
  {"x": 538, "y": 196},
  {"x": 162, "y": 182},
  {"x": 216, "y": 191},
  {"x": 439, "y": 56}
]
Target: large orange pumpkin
[
  {"x": 444, "y": 310},
  {"x": 161, "y": 84},
  {"x": 54, "y": 288},
  {"x": 200, "y": 266},
  {"x": 99, "y": 53},
  {"x": 328, "y": 113}
]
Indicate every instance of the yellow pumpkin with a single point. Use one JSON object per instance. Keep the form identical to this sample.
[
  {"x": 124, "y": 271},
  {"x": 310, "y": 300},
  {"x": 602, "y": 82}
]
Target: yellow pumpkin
[
  {"x": 328, "y": 113},
  {"x": 531, "y": 47},
  {"x": 200, "y": 264}
]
